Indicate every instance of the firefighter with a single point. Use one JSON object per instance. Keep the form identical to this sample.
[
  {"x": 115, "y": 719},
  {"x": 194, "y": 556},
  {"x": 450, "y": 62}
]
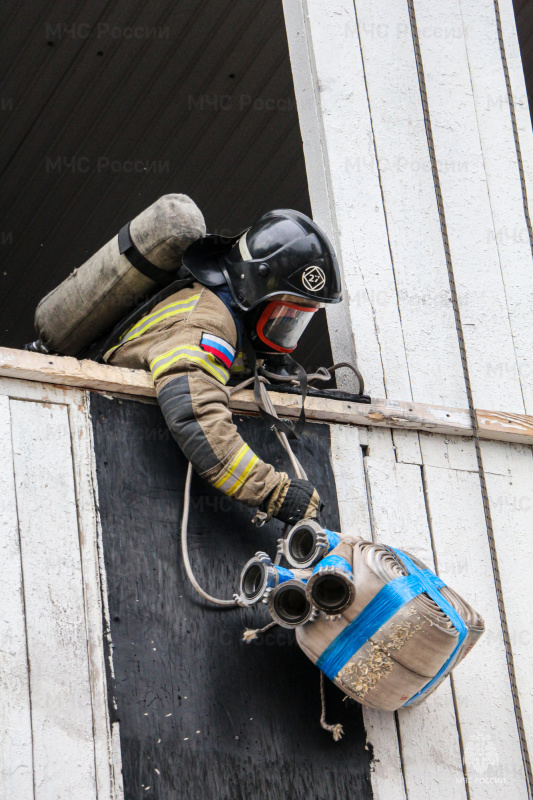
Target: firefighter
[{"x": 265, "y": 284}]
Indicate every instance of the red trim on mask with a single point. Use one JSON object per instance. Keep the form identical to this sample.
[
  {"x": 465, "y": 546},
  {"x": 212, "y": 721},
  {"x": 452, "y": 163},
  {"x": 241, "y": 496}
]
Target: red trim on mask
[{"x": 265, "y": 316}]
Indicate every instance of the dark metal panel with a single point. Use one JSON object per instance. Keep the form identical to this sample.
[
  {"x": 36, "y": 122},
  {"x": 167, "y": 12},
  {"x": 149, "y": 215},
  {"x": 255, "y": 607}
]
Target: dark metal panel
[{"x": 202, "y": 714}]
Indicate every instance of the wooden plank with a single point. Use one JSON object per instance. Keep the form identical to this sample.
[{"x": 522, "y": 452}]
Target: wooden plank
[
  {"x": 481, "y": 683},
  {"x": 108, "y": 774},
  {"x": 368, "y": 273},
  {"x": 68, "y": 371},
  {"x": 399, "y": 517},
  {"x": 63, "y": 748},
  {"x": 511, "y": 505},
  {"x": 16, "y": 760},
  {"x": 470, "y": 224},
  {"x": 503, "y": 181},
  {"x": 348, "y": 468},
  {"x": 419, "y": 263},
  {"x": 51, "y": 370}
]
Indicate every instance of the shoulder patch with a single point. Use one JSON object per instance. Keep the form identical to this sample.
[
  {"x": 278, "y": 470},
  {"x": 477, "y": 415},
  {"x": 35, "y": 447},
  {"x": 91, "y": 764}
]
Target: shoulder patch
[{"x": 219, "y": 348}]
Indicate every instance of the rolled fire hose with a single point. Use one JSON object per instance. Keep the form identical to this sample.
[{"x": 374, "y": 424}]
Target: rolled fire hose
[{"x": 387, "y": 660}]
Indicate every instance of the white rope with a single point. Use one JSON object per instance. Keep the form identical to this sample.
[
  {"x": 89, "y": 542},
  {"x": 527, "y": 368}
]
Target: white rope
[
  {"x": 300, "y": 473},
  {"x": 185, "y": 550},
  {"x": 336, "y": 730}
]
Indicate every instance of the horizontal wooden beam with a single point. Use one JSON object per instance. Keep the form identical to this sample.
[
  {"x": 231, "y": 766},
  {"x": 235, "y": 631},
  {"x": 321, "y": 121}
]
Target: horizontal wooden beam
[{"x": 67, "y": 371}]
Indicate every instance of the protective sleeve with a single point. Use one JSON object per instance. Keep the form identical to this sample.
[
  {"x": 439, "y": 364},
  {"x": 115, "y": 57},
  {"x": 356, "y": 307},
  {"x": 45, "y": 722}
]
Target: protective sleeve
[
  {"x": 190, "y": 367},
  {"x": 196, "y": 410}
]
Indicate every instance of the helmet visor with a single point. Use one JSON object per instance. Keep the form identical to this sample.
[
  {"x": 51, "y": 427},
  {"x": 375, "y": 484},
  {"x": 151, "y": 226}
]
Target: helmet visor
[{"x": 282, "y": 323}]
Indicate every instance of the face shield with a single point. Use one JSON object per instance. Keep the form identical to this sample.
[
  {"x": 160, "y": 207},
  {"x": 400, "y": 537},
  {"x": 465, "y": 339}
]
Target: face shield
[{"x": 283, "y": 321}]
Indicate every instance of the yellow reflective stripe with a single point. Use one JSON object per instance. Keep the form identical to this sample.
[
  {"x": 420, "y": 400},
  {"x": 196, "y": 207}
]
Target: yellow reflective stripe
[
  {"x": 242, "y": 479},
  {"x": 173, "y": 309},
  {"x": 228, "y": 472},
  {"x": 236, "y": 474},
  {"x": 189, "y": 352}
]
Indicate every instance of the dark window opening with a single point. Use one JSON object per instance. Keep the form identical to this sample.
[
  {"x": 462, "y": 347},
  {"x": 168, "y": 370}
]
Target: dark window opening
[{"x": 102, "y": 115}]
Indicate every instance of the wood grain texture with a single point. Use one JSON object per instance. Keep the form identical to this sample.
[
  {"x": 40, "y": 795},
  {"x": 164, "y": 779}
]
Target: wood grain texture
[
  {"x": 108, "y": 772},
  {"x": 511, "y": 503},
  {"x": 356, "y": 194},
  {"x": 307, "y": 91},
  {"x": 16, "y": 759},
  {"x": 22, "y": 367},
  {"x": 63, "y": 747},
  {"x": 470, "y": 224},
  {"x": 347, "y": 460},
  {"x": 399, "y": 517},
  {"x": 484, "y": 702},
  {"x": 418, "y": 264},
  {"x": 500, "y": 163}
]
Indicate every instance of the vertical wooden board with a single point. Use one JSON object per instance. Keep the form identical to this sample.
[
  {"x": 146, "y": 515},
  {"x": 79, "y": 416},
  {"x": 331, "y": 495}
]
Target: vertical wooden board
[
  {"x": 485, "y": 710},
  {"x": 400, "y": 519},
  {"x": 511, "y": 505},
  {"x": 480, "y": 288},
  {"x": 407, "y": 447},
  {"x": 53, "y": 590},
  {"x": 16, "y": 762},
  {"x": 348, "y": 469},
  {"x": 455, "y": 452},
  {"x": 350, "y": 480},
  {"x": 518, "y": 87},
  {"x": 368, "y": 275},
  {"x": 504, "y": 185},
  {"x": 89, "y": 533},
  {"x": 420, "y": 271},
  {"x": 317, "y": 168}
]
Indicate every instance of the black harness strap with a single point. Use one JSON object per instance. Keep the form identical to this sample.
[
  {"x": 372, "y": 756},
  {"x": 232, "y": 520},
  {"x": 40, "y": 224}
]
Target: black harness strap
[
  {"x": 292, "y": 431},
  {"x": 128, "y": 248}
]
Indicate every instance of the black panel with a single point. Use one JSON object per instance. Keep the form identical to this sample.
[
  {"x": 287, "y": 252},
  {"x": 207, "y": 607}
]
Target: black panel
[{"x": 218, "y": 719}]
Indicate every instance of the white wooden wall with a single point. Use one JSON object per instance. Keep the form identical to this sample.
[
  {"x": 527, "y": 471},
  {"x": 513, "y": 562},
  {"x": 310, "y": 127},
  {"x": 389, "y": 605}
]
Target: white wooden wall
[
  {"x": 372, "y": 189},
  {"x": 56, "y": 738}
]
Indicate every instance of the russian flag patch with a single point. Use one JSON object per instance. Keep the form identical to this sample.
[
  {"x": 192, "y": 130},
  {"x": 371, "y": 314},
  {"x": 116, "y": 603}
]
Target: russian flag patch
[{"x": 219, "y": 348}]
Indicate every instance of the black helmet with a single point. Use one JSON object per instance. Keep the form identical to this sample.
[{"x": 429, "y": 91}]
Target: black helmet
[{"x": 284, "y": 253}]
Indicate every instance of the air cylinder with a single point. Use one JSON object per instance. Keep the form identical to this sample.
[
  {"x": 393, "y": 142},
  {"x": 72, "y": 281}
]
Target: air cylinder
[{"x": 145, "y": 255}]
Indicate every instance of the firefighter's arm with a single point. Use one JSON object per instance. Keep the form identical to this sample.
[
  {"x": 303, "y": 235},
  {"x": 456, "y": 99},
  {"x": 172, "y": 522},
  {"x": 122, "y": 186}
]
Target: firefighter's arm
[
  {"x": 190, "y": 385},
  {"x": 196, "y": 409}
]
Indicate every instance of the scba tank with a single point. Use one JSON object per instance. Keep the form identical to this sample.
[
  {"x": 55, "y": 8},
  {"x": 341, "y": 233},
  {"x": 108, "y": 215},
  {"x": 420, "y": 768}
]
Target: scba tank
[{"x": 145, "y": 255}]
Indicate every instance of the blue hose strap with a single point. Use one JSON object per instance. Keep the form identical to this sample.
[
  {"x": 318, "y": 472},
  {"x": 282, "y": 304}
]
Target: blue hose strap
[
  {"x": 284, "y": 574},
  {"x": 333, "y": 539},
  {"x": 334, "y": 561},
  {"x": 395, "y": 594},
  {"x": 374, "y": 615},
  {"x": 432, "y": 583}
]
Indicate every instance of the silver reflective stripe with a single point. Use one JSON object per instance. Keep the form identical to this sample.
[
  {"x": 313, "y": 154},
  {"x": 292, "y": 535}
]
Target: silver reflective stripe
[{"x": 237, "y": 472}]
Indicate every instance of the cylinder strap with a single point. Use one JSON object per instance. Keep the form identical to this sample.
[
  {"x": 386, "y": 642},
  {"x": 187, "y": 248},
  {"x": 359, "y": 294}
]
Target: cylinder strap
[{"x": 128, "y": 248}]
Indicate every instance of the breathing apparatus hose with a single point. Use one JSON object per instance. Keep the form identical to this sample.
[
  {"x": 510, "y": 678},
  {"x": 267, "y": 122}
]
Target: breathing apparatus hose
[{"x": 300, "y": 473}]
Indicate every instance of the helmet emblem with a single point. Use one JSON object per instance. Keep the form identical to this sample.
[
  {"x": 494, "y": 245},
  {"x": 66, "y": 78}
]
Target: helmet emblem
[{"x": 314, "y": 278}]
